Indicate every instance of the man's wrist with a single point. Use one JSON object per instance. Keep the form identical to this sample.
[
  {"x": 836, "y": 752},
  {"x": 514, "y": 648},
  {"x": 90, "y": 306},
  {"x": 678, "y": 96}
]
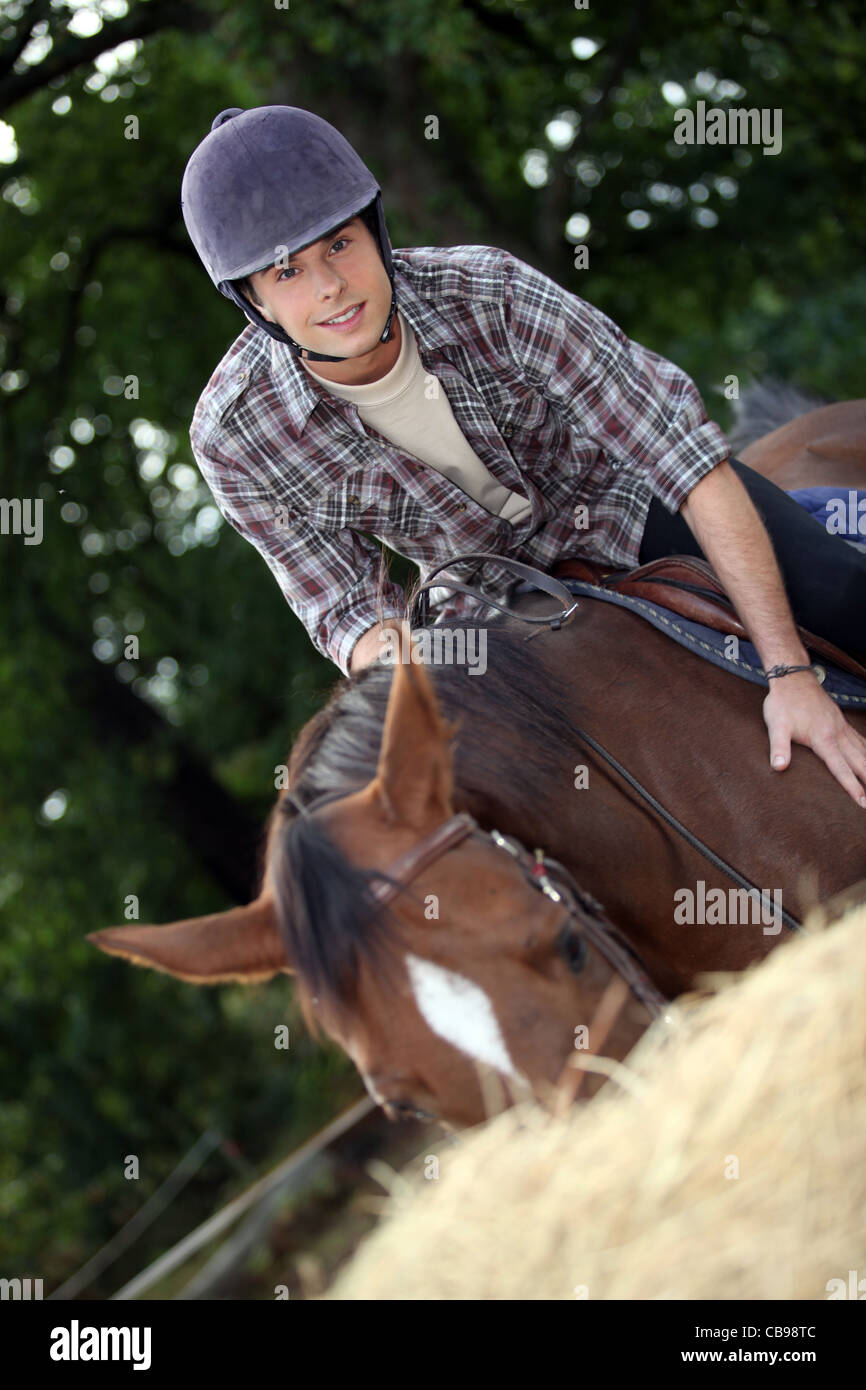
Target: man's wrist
[
  {"x": 371, "y": 645},
  {"x": 780, "y": 672},
  {"x": 781, "y": 649}
]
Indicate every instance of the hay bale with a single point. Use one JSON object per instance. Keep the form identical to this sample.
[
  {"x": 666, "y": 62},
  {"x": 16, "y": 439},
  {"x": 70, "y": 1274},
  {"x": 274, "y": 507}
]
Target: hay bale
[{"x": 733, "y": 1168}]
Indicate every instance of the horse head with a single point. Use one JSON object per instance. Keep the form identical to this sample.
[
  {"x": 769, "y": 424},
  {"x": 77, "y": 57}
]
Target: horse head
[{"x": 420, "y": 944}]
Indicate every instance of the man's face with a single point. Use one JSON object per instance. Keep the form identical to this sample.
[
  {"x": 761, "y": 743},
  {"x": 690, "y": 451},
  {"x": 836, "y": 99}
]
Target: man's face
[{"x": 321, "y": 282}]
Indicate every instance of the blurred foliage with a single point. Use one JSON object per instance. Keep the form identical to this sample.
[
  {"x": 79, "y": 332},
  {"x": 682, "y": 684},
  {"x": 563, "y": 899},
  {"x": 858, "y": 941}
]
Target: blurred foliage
[{"x": 722, "y": 258}]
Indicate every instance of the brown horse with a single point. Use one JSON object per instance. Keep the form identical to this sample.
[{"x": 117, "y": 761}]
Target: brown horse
[
  {"x": 825, "y": 447},
  {"x": 691, "y": 733}
]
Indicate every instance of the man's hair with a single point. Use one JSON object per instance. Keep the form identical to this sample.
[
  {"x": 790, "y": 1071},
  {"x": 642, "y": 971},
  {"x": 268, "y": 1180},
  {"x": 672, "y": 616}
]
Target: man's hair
[{"x": 246, "y": 286}]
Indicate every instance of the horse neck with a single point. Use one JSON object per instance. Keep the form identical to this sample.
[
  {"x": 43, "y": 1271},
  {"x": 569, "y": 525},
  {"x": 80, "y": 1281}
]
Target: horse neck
[{"x": 635, "y": 693}]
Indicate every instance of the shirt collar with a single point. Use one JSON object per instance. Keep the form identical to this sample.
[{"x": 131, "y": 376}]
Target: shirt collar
[{"x": 300, "y": 393}]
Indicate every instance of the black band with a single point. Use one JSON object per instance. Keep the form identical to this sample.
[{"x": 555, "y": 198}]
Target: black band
[{"x": 775, "y": 671}]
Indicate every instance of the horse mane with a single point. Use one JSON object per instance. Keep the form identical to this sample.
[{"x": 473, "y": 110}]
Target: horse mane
[
  {"x": 325, "y": 905},
  {"x": 327, "y": 914},
  {"x": 766, "y": 405}
]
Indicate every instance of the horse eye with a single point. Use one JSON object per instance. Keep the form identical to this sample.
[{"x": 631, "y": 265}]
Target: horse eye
[
  {"x": 573, "y": 948},
  {"x": 405, "y": 1110}
]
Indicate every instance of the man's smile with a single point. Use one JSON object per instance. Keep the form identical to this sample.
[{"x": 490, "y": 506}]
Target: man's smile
[{"x": 348, "y": 318}]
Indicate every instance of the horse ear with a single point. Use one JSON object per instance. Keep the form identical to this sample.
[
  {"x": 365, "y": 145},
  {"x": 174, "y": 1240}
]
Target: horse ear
[
  {"x": 242, "y": 945},
  {"x": 414, "y": 775}
]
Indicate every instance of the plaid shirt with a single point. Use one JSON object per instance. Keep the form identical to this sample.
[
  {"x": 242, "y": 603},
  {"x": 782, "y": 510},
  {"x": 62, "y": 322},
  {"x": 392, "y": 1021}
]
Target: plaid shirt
[{"x": 552, "y": 396}]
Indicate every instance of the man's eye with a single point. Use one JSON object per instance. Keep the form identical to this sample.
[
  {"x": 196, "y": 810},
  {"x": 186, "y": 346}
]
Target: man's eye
[{"x": 290, "y": 270}]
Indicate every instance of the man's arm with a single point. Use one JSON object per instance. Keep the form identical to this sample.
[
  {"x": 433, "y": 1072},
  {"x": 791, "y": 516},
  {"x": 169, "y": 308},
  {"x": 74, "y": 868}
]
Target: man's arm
[
  {"x": 370, "y": 647},
  {"x": 724, "y": 521},
  {"x": 647, "y": 414},
  {"x": 642, "y": 411},
  {"x": 331, "y": 579}
]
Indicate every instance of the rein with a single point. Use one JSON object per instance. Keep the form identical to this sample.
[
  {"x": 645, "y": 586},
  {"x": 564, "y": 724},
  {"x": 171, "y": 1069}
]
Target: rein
[
  {"x": 581, "y": 907},
  {"x": 549, "y": 585},
  {"x": 517, "y": 568}
]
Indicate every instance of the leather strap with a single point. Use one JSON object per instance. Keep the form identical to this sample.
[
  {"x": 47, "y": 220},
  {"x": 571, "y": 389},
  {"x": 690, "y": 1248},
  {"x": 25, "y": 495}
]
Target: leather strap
[
  {"x": 610, "y": 942},
  {"x": 546, "y": 582},
  {"x": 438, "y": 842}
]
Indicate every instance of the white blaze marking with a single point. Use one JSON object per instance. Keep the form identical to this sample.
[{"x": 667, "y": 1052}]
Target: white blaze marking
[{"x": 460, "y": 1012}]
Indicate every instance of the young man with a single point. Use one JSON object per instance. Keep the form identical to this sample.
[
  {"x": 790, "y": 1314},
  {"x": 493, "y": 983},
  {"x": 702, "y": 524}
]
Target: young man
[{"x": 454, "y": 399}]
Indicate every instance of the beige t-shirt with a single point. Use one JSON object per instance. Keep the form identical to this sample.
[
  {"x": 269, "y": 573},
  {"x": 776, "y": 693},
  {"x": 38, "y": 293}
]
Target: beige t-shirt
[{"x": 402, "y": 407}]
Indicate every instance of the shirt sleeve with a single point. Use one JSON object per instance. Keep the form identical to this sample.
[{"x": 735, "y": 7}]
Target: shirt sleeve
[
  {"x": 643, "y": 411},
  {"x": 333, "y": 582}
]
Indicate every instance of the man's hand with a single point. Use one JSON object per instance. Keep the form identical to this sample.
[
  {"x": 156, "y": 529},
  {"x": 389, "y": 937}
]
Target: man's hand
[
  {"x": 722, "y": 517},
  {"x": 798, "y": 709}
]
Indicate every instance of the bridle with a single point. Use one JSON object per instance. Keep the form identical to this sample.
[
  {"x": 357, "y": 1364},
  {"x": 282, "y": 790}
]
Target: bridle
[{"x": 587, "y": 920}]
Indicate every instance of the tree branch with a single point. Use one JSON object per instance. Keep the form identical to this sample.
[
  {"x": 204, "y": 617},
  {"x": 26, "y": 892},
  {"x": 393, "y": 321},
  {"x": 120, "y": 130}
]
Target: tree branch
[
  {"x": 217, "y": 829},
  {"x": 157, "y": 233},
  {"x": 39, "y": 10},
  {"x": 64, "y": 57},
  {"x": 509, "y": 27},
  {"x": 622, "y": 56}
]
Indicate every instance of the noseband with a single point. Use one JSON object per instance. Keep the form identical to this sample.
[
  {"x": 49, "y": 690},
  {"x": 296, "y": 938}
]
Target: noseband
[{"x": 587, "y": 919}]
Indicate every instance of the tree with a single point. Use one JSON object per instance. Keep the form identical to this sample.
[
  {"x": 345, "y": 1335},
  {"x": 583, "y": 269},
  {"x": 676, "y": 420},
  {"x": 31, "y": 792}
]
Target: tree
[{"x": 537, "y": 128}]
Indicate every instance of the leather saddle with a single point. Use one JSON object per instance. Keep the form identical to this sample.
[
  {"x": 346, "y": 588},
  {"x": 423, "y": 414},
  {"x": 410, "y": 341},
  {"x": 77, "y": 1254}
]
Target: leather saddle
[{"x": 688, "y": 586}]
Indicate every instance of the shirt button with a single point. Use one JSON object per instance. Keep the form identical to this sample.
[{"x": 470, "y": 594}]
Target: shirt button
[
  {"x": 507, "y": 430},
  {"x": 461, "y": 506},
  {"x": 353, "y": 499},
  {"x": 242, "y": 376}
]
